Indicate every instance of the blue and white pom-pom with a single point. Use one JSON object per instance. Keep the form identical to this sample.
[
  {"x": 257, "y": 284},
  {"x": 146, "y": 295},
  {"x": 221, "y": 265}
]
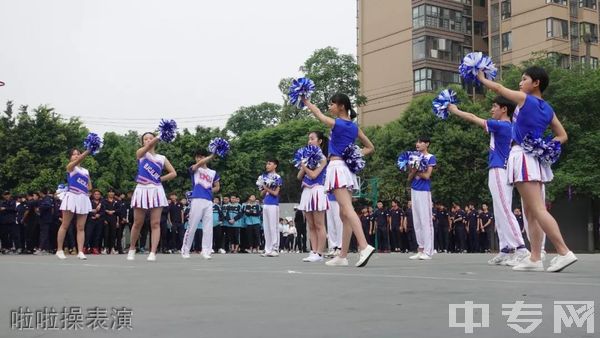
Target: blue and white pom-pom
[
  {"x": 167, "y": 130},
  {"x": 545, "y": 149},
  {"x": 353, "y": 158},
  {"x": 61, "y": 190},
  {"x": 421, "y": 163},
  {"x": 93, "y": 143},
  {"x": 474, "y": 62},
  {"x": 269, "y": 180},
  {"x": 310, "y": 155},
  {"x": 300, "y": 87},
  {"x": 219, "y": 147},
  {"x": 260, "y": 182},
  {"x": 441, "y": 102},
  {"x": 405, "y": 159}
]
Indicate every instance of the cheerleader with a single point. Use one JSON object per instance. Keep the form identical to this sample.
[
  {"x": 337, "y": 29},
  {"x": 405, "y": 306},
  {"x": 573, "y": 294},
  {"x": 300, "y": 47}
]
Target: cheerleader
[
  {"x": 531, "y": 118},
  {"x": 75, "y": 202},
  {"x": 313, "y": 202},
  {"x": 339, "y": 178},
  {"x": 149, "y": 194},
  {"x": 205, "y": 182}
]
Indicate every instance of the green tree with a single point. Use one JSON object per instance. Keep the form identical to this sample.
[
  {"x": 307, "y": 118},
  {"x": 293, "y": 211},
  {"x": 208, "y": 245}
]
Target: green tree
[{"x": 254, "y": 117}]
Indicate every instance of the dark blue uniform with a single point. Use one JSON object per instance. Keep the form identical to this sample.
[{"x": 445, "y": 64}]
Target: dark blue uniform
[
  {"x": 472, "y": 219},
  {"x": 380, "y": 216}
]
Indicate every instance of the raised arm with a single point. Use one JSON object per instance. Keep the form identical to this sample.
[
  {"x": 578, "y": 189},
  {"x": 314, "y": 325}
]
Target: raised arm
[
  {"x": 171, "y": 173},
  {"x": 143, "y": 150},
  {"x": 515, "y": 96},
  {"x": 317, "y": 113},
  {"x": 560, "y": 134},
  {"x": 469, "y": 117},
  {"x": 78, "y": 161},
  {"x": 368, "y": 146},
  {"x": 202, "y": 162}
]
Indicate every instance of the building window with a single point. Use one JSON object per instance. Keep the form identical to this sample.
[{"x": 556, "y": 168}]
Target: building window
[
  {"x": 505, "y": 9},
  {"x": 495, "y": 48},
  {"x": 574, "y": 35},
  {"x": 557, "y": 2},
  {"x": 507, "y": 42},
  {"x": 437, "y": 48},
  {"x": 588, "y": 4},
  {"x": 562, "y": 60},
  {"x": 438, "y": 17},
  {"x": 419, "y": 48},
  {"x": 588, "y": 28},
  {"x": 593, "y": 62},
  {"x": 556, "y": 28},
  {"x": 422, "y": 79},
  {"x": 495, "y": 18},
  {"x": 480, "y": 3},
  {"x": 426, "y": 79}
]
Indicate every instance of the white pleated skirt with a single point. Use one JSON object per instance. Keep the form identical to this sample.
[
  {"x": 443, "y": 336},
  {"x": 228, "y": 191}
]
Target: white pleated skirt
[
  {"x": 525, "y": 167},
  {"x": 79, "y": 204},
  {"x": 146, "y": 196},
  {"x": 339, "y": 176},
  {"x": 314, "y": 199}
]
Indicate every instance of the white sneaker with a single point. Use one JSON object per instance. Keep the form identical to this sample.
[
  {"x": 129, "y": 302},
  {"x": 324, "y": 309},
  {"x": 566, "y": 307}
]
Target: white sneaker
[
  {"x": 329, "y": 253},
  {"x": 185, "y": 255},
  {"x": 424, "y": 257},
  {"x": 264, "y": 254},
  {"x": 337, "y": 261},
  {"x": 499, "y": 259},
  {"x": 337, "y": 252},
  {"x": 517, "y": 258},
  {"x": 221, "y": 251},
  {"x": 81, "y": 256},
  {"x": 559, "y": 262},
  {"x": 131, "y": 255},
  {"x": 309, "y": 258},
  {"x": 206, "y": 256},
  {"x": 364, "y": 255},
  {"x": 527, "y": 265},
  {"x": 273, "y": 254},
  {"x": 103, "y": 251},
  {"x": 415, "y": 256},
  {"x": 151, "y": 257},
  {"x": 61, "y": 255},
  {"x": 314, "y": 258}
]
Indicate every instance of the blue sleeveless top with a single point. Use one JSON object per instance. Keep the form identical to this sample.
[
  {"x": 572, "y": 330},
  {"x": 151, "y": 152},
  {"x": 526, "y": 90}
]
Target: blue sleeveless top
[
  {"x": 149, "y": 169},
  {"x": 343, "y": 133},
  {"x": 78, "y": 180}
]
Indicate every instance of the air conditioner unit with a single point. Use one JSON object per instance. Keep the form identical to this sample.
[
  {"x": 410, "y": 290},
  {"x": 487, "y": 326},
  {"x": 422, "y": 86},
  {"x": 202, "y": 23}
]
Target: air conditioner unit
[{"x": 434, "y": 53}]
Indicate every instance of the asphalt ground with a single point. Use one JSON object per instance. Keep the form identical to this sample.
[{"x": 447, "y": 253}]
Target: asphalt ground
[{"x": 244, "y": 295}]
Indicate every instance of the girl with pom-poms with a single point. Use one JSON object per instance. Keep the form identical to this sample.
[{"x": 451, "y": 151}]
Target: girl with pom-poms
[
  {"x": 314, "y": 202},
  {"x": 76, "y": 202},
  {"x": 339, "y": 178},
  {"x": 527, "y": 171},
  {"x": 149, "y": 194}
]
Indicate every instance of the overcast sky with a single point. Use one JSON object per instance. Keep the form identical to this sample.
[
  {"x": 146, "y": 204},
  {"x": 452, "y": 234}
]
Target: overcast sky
[{"x": 124, "y": 64}]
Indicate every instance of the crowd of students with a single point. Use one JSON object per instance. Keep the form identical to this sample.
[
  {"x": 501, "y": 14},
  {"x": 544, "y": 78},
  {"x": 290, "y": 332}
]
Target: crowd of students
[{"x": 29, "y": 224}]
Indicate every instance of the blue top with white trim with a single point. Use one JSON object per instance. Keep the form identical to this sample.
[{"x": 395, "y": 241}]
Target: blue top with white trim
[
  {"x": 500, "y": 138},
  {"x": 149, "y": 169},
  {"x": 421, "y": 184},
  {"x": 532, "y": 118},
  {"x": 78, "y": 180},
  {"x": 203, "y": 180}
]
